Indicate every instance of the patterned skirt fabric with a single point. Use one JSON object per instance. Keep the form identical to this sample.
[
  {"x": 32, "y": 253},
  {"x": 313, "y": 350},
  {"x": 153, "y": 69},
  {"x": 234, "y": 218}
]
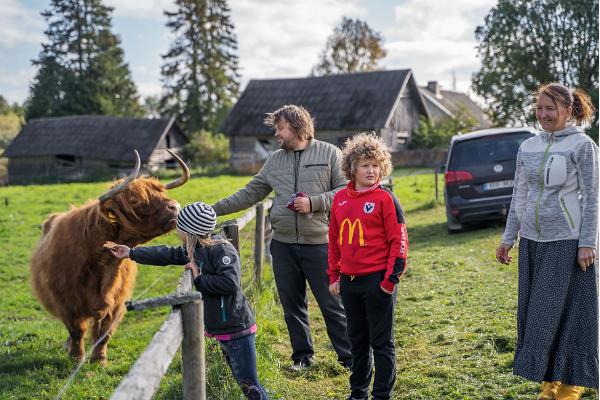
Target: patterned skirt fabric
[{"x": 557, "y": 317}]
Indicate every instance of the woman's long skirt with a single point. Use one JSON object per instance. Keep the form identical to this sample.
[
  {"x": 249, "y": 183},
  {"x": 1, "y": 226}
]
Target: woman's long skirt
[{"x": 557, "y": 317}]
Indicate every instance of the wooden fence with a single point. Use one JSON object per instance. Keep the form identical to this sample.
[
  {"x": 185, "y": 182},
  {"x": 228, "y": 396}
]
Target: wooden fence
[{"x": 185, "y": 324}]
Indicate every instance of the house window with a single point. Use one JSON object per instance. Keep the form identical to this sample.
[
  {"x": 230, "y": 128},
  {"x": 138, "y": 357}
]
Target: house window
[
  {"x": 65, "y": 160},
  {"x": 401, "y": 137}
]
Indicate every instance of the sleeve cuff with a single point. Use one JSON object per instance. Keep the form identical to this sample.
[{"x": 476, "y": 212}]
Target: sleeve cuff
[
  {"x": 333, "y": 279},
  {"x": 316, "y": 203},
  {"x": 387, "y": 285}
]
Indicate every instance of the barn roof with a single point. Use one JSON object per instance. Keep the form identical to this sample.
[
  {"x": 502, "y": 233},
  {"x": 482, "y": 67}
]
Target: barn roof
[
  {"x": 94, "y": 137},
  {"x": 337, "y": 102}
]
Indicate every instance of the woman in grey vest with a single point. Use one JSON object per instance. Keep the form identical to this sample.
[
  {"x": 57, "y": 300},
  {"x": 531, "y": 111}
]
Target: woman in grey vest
[{"x": 554, "y": 210}]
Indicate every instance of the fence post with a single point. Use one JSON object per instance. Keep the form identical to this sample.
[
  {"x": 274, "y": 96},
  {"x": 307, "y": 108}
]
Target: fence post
[
  {"x": 192, "y": 351},
  {"x": 435, "y": 173},
  {"x": 391, "y": 184},
  {"x": 268, "y": 234},
  {"x": 233, "y": 233},
  {"x": 259, "y": 241}
]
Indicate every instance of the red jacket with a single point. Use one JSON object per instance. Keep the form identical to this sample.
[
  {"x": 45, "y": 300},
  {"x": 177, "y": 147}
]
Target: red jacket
[{"x": 367, "y": 234}]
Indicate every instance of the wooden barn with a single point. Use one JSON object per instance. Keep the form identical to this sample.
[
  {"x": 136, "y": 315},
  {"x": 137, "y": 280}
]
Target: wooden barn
[
  {"x": 387, "y": 102},
  {"x": 78, "y": 148}
]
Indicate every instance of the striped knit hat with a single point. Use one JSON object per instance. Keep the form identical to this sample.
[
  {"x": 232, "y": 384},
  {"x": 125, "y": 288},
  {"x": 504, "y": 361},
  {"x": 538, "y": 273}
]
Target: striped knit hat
[{"x": 197, "y": 219}]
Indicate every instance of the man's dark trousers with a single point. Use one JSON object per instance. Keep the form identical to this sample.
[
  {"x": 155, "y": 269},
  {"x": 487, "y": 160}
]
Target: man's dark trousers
[
  {"x": 370, "y": 313},
  {"x": 293, "y": 265}
]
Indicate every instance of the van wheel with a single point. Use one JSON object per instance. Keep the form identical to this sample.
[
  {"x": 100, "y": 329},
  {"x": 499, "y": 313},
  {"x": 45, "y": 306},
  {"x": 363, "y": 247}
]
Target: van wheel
[{"x": 453, "y": 225}]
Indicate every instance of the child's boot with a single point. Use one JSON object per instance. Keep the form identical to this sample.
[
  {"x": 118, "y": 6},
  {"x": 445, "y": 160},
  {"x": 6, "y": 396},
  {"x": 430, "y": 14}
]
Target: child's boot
[
  {"x": 569, "y": 392},
  {"x": 549, "y": 390}
]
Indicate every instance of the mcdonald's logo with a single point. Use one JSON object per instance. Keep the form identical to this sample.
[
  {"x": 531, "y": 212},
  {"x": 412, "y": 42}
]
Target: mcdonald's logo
[{"x": 351, "y": 228}]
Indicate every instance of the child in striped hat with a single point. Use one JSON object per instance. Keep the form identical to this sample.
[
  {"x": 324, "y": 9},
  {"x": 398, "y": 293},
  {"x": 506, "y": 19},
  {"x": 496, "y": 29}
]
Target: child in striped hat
[{"x": 215, "y": 266}]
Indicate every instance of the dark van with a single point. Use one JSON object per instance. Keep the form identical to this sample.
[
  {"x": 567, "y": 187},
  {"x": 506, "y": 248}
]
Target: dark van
[{"x": 479, "y": 174}]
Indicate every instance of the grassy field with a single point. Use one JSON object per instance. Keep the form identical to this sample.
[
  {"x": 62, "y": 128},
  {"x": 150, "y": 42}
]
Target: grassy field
[{"x": 454, "y": 331}]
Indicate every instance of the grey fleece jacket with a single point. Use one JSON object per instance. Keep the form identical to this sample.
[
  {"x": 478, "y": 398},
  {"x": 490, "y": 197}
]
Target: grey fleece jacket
[
  {"x": 315, "y": 171},
  {"x": 555, "y": 195}
]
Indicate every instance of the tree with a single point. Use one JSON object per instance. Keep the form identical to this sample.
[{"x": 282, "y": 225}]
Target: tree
[
  {"x": 524, "y": 43},
  {"x": 200, "y": 74},
  {"x": 207, "y": 149},
  {"x": 432, "y": 135},
  {"x": 81, "y": 66},
  {"x": 353, "y": 47}
]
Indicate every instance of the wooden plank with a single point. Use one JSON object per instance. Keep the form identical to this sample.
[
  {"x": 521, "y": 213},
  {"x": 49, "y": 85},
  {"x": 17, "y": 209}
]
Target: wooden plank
[
  {"x": 192, "y": 352},
  {"x": 185, "y": 282},
  {"x": 144, "y": 377},
  {"x": 170, "y": 300},
  {"x": 259, "y": 243},
  {"x": 233, "y": 234}
]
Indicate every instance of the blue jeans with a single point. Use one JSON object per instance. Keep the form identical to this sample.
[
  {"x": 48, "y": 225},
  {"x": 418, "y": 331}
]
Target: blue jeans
[{"x": 240, "y": 355}]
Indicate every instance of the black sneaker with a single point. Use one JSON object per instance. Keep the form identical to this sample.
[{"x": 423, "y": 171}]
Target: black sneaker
[{"x": 301, "y": 365}]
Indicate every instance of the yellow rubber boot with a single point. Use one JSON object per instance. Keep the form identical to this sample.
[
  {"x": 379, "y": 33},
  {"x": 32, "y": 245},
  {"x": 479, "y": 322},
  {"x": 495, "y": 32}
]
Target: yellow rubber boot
[
  {"x": 549, "y": 390},
  {"x": 569, "y": 392}
]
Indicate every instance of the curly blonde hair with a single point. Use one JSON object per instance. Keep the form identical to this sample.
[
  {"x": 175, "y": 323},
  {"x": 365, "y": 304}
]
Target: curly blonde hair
[{"x": 365, "y": 145}]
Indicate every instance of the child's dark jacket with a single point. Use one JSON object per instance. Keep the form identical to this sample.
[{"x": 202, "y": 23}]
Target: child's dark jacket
[{"x": 225, "y": 306}]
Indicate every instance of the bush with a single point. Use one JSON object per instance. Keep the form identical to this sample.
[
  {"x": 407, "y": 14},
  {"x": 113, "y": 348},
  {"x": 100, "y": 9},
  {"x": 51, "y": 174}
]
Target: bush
[
  {"x": 207, "y": 149},
  {"x": 431, "y": 135}
]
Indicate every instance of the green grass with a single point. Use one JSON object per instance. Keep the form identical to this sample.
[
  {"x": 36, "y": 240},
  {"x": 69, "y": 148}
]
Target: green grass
[{"x": 455, "y": 317}]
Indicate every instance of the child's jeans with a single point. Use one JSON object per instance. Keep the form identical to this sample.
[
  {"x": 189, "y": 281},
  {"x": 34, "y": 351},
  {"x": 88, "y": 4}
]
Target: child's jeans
[{"x": 240, "y": 354}]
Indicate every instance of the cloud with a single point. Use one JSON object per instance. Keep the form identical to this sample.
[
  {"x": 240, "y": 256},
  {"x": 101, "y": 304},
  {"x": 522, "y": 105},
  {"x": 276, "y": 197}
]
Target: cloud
[
  {"x": 436, "y": 40},
  {"x": 15, "y": 84},
  {"x": 140, "y": 9},
  {"x": 284, "y": 39},
  {"x": 19, "y": 25}
]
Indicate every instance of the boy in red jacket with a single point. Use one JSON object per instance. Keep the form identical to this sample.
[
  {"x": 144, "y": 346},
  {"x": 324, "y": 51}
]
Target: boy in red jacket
[{"x": 368, "y": 246}]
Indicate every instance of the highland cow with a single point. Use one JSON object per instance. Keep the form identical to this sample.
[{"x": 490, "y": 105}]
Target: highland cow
[{"x": 78, "y": 280}]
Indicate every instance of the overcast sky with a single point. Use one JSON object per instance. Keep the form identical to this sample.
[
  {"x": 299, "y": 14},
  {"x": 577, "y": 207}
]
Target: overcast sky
[{"x": 276, "y": 38}]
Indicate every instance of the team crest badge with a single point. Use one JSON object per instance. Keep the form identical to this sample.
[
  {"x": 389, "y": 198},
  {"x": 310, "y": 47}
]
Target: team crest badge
[
  {"x": 369, "y": 208},
  {"x": 226, "y": 260}
]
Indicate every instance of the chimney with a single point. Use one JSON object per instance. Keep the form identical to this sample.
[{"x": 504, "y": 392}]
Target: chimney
[{"x": 434, "y": 88}]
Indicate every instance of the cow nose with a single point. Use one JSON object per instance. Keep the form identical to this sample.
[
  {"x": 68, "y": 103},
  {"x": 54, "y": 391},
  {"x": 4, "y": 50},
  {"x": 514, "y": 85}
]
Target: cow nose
[{"x": 174, "y": 206}]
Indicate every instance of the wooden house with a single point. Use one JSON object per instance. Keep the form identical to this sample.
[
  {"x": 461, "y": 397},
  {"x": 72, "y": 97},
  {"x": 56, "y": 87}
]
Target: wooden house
[
  {"x": 83, "y": 147},
  {"x": 387, "y": 102},
  {"x": 446, "y": 104}
]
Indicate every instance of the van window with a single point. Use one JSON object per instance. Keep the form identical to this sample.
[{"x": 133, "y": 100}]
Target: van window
[{"x": 486, "y": 149}]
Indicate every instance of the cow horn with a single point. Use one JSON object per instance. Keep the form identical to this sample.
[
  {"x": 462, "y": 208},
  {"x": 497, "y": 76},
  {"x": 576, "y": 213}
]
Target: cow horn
[
  {"x": 123, "y": 185},
  {"x": 184, "y": 177}
]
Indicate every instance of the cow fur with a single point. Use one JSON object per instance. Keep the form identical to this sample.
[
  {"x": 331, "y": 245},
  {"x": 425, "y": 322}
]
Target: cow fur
[{"x": 80, "y": 282}]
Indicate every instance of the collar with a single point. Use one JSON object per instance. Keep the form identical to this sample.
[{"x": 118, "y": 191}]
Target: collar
[{"x": 352, "y": 192}]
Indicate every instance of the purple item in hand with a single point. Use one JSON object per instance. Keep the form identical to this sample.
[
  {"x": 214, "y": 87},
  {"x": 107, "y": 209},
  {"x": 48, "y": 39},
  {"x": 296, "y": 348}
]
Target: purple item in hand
[{"x": 290, "y": 203}]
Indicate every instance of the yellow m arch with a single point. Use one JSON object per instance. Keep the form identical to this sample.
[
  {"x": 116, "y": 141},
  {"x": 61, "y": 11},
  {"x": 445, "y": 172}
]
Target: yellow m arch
[{"x": 351, "y": 228}]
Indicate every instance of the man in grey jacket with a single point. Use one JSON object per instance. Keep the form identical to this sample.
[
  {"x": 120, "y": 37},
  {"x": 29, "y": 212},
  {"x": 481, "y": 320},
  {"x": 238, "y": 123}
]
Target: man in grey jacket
[{"x": 304, "y": 174}]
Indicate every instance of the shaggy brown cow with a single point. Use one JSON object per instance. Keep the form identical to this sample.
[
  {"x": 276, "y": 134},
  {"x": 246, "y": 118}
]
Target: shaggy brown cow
[{"x": 77, "y": 279}]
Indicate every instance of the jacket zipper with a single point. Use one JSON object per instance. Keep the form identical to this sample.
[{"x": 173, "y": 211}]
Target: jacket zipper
[
  {"x": 296, "y": 166},
  {"x": 223, "y": 312},
  {"x": 542, "y": 187},
  {"x": 562, "y": 200}
]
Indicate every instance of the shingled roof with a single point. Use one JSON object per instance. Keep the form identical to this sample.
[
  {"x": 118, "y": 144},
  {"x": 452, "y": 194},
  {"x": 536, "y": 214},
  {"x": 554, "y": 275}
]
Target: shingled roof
[
  {"x": 337, "y": 102},
  {"x": 94, "y": 137},
  {"x": 452, "y": 103}
]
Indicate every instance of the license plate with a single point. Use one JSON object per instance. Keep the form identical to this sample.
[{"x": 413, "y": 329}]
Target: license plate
[{"x": 498, "y": 185}]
